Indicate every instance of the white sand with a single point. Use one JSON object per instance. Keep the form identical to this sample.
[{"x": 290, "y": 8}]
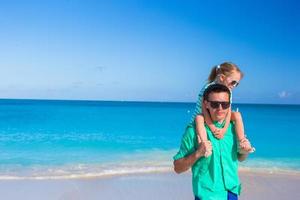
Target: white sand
[{"x": 162, "y": 186}]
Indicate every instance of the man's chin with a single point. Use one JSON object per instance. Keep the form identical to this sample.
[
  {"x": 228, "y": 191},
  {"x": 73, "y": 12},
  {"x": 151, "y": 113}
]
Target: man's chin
[{"x": 220, "y": 117}]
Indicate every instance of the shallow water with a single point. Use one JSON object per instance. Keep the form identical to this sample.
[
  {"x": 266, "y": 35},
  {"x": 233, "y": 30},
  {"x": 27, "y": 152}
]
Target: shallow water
[{"x": 93, "y": 138}]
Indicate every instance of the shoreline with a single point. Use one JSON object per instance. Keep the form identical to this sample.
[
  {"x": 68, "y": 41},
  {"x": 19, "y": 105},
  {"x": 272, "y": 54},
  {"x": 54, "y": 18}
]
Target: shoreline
[
  {"x": 141, "y": 172},
  {"x": 135, "y": 171},
  {"x": 158, "y": 185}
]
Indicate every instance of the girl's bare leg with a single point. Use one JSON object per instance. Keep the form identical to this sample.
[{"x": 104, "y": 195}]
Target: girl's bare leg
[
  {"x": 202, "y": 135},
  {"x": 244, "y": 144}
]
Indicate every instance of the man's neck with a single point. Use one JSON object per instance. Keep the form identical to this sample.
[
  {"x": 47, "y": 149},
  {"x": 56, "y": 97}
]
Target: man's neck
[{"x": 219, "y": 121}]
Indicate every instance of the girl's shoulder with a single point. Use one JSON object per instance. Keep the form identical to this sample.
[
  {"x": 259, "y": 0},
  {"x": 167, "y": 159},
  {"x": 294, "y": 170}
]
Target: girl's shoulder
[
  {"x": 209, "y": 83},
  {"x": 206, "y": 86}
]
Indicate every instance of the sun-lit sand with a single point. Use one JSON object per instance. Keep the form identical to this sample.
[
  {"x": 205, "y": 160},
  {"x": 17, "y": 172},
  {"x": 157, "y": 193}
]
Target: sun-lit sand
[{"x": 256, "y": 185}]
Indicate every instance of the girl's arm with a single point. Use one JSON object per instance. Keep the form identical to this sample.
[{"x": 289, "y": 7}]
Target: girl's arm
[
  {"x": 219, "y": 133},
  {"x": 207, "y": 119}
]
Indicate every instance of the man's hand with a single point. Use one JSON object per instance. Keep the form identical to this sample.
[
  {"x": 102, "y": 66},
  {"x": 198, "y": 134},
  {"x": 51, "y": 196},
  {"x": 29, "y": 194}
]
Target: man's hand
[
  {"x": 183, "y": 164},
  {"x": 204, "y": 148}
]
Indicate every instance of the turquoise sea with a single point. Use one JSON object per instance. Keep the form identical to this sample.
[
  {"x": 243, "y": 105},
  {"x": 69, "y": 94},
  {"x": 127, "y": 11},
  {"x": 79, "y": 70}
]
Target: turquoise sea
[{"x": 42, "y": 139}]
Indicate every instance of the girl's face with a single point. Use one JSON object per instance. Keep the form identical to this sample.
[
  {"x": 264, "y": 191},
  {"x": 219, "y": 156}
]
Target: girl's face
[{"x": 232, "y": 80}]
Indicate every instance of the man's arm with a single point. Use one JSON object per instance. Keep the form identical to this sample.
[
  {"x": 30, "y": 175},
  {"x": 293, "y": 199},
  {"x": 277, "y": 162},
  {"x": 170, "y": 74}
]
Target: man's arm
[
  {"x": 183, "y": 164},
  {"x": 242, "y": 157}
]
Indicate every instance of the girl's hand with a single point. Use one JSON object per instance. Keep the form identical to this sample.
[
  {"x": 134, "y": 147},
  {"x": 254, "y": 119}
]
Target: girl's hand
[{"x": 219, "y": 133}]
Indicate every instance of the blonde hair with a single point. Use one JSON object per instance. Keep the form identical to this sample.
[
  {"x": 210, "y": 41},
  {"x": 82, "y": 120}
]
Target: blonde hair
[{"x": 225, "y": 68}]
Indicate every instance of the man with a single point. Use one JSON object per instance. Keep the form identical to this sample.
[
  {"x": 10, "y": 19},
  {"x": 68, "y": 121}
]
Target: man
[{"x": 214, "y": 177}]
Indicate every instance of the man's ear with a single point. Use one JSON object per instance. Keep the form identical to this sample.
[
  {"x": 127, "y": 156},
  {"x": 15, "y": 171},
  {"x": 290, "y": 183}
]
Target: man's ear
[{"x": 205, "y": 103}]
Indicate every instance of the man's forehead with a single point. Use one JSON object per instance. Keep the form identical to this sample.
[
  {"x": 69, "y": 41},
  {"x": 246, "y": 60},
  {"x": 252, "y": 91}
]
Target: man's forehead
[{"x": 221, "y": 96}]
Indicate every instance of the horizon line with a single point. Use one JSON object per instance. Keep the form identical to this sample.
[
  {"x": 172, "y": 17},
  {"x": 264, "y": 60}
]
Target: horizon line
[{"x": 134, "y": 101}]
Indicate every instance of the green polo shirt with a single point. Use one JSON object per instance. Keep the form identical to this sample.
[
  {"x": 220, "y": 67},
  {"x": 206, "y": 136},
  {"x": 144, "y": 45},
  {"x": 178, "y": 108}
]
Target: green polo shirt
[{"x": 214, "y": 176}]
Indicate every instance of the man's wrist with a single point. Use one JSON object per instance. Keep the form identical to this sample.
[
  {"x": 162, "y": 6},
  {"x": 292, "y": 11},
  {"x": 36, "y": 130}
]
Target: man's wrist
[{"x": 198, "y": 154}]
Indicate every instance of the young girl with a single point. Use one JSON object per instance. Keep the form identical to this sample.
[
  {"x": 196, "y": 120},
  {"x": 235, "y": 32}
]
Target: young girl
[{"x": 229, "y": 75}]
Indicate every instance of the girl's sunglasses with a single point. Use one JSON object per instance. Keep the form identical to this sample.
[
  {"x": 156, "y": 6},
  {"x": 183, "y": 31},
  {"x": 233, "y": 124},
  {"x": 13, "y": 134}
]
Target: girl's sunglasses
[
  {"x": 216, "y": 104},
  {"x": 234, "y": 83}
]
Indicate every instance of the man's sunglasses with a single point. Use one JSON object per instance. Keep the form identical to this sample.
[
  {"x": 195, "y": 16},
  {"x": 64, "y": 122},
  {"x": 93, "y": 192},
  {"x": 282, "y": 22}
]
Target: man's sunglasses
[{"x": 216, "y": 104}]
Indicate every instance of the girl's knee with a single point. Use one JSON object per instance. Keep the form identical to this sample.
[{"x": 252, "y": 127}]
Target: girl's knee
[
  {"x": 200, "y": 118},
  {"x": 236, "y": 116}
]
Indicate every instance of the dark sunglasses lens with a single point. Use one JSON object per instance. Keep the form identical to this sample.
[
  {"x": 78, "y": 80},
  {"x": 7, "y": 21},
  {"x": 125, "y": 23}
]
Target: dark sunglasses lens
[
  {"x": 215, "y": 104},
  {"x": 225, "y": 105}
]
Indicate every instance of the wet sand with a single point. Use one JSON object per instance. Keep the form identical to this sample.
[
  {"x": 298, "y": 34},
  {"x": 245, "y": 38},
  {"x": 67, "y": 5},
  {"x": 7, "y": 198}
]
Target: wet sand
[{"x": 164, "y": 186}]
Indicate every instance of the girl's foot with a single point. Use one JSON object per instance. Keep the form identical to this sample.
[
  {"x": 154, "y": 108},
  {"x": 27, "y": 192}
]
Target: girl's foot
[
  {"x": 208, "y": 150},
  {"x": 245, "y": 146}
]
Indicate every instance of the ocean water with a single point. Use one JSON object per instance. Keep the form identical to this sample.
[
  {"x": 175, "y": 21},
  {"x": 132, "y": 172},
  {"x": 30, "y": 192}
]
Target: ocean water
[{"x": 42, "y": 139}]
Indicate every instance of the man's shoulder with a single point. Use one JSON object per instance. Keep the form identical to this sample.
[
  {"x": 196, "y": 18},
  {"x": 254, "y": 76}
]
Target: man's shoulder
[
  {"x": 188, "y": 142},
  {"x": 190, "y": 131},
  {"x": 189, "y": 136}
]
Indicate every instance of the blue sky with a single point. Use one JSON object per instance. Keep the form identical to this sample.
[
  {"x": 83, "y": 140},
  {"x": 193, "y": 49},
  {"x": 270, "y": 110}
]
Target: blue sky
[{"x": 147, "y": 50}]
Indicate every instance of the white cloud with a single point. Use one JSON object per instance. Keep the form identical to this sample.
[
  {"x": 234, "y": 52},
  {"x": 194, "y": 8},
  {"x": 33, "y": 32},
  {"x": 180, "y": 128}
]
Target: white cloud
[{"x": 284, "y": 94}]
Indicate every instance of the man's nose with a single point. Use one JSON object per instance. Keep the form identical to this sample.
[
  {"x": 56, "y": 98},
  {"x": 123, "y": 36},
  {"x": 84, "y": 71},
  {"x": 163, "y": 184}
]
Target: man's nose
[{"x": 220, "y": 107}]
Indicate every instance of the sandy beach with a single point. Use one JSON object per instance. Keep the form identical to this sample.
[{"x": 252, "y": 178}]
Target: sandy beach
[{"x": 256, "y": 185}]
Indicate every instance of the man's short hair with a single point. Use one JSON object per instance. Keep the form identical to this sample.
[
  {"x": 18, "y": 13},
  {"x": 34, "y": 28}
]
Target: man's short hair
[{"x": 217, "y": 88}]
